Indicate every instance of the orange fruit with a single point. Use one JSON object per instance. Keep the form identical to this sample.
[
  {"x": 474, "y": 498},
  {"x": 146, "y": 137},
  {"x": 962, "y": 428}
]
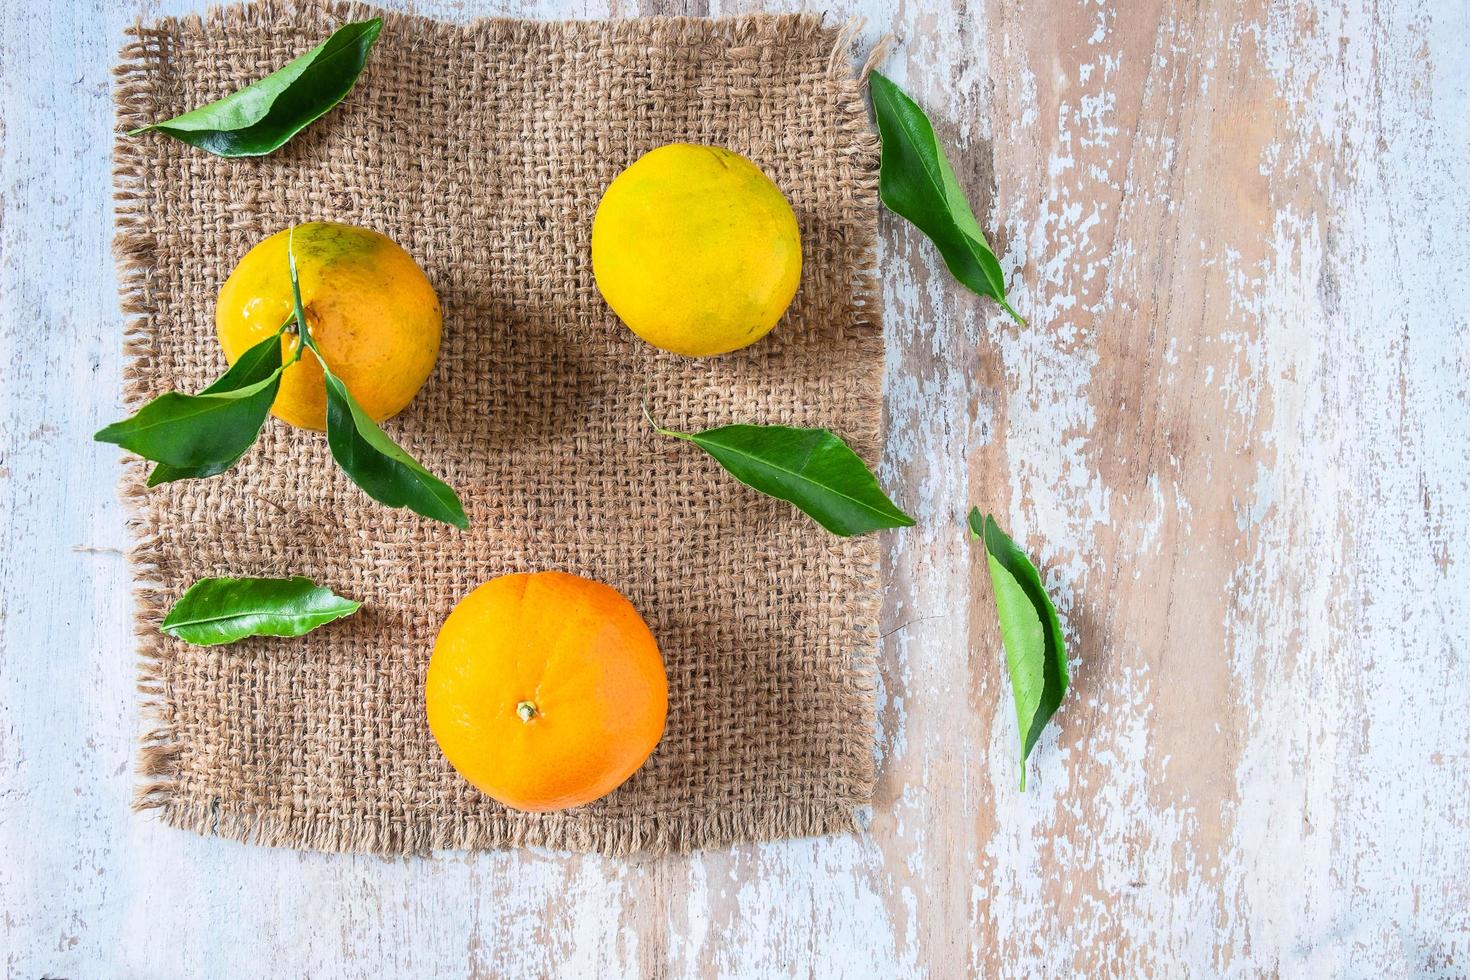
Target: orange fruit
[
  {"x": 546, "y": 690},
  {"x": 368, "y": 306},
  {"x": 696, "y": 250}
]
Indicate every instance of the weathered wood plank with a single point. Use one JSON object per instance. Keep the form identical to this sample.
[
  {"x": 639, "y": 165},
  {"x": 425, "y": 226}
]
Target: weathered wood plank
[{"x": 1232, "y": 434}]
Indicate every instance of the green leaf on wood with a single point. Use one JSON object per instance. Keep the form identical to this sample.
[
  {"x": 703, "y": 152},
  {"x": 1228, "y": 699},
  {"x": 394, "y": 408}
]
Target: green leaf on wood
[
  {"x": 209, "y": 432},
  {"x": 263, "y": 115},
  {"x": 916, "y": 181},
  {"x": 223, "y": 610},
  {"x": 1036, "y": 655},
  {"x": 257, "y": 364},
  {"x": 810, "y": 468},
  {"x": 379, "y": 466}
]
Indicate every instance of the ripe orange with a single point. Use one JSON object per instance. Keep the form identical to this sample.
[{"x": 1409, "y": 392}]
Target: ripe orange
[
  {"x": 368, "y": 306},
  {"x": 546, "y": 690},
  {"x": 696, "y": 250}
]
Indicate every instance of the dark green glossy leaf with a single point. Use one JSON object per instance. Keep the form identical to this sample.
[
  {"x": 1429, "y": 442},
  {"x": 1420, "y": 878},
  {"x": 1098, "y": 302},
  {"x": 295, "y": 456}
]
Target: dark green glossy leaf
[
  {"x": 379, "y": 466},
  {"x": 375, "y": 462},
  {"x": 916, "y": 181},
  {"x": 1036, "y": 655},
  {"x": 810, "y": 468},
  {"x": 254, "y": 366},
  {"x": 263, "y": 115},
  {"x": 223, "y": 610},
  {"x": 208, "y": 431}
]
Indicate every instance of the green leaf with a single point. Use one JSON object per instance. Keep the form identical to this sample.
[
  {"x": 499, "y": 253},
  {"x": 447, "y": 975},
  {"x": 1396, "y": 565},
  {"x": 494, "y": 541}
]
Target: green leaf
[
  {"x": 257, "y": 364},
  {"x": 210, "y": 431},
  {"x": 375, "y": 462},
  {"x": 263, "y": 115},
  {"x": 223, "y": 610},
  {"x": 1036, "y": 655},
  {"x": 916, "y": 181},
  {"x": 379, "y": 466},
  {"x": 810, "y": 468}
]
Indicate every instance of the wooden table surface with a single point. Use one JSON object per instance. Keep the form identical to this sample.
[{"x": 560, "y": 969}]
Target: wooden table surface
[{"x": 1233, "y": 435}]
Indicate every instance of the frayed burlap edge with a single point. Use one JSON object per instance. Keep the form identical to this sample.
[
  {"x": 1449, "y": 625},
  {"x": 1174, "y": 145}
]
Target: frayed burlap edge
[{"x": 134, "y": 250}]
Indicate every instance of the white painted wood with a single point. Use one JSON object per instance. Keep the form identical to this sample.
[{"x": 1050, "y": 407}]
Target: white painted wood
[{"x": 1233, "y": 434}]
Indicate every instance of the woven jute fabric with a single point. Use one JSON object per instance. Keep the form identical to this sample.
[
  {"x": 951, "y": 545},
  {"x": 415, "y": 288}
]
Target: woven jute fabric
[{"x": 483, "y": 150}]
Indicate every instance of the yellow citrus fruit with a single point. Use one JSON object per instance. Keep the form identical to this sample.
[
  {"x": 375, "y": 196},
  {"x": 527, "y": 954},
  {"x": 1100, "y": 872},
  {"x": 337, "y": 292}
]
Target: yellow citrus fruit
[
  {"x": 368, "y": 306},
  {"x": 546, "y": 691},
  {"x": 696, "y": 250}
]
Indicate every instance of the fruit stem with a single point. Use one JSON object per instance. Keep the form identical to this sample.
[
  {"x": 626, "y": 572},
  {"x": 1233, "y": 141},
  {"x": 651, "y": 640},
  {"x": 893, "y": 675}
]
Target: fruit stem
[
  {"x": 526, "y": 710},
  {"x": 289, "y": 329}
]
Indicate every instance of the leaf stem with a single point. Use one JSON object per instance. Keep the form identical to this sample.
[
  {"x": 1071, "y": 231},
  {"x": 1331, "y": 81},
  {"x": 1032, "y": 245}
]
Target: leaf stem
[
  {"x": 661, "y": 430},
  {"x": 297, "y": 310}
]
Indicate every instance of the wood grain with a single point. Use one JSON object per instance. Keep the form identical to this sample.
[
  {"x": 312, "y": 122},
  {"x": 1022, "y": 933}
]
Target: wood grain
[{"x": 1232, "y": 434}]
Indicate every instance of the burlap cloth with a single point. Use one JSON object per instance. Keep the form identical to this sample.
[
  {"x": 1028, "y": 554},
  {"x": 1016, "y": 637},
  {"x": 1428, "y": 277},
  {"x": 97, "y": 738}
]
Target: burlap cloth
[{"x": 483, "y": 150}]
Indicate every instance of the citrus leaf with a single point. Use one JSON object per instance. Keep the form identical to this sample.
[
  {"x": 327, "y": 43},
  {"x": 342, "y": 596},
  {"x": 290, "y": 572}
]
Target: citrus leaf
[
  {"x": 263, "y": 115},
  {"x": 375, "y": 462},
  {"x": 210, "y": 431},
  {"x": 1036, "y": 655},
  {"x": 252, "y": 367},
  {"x": 223, "y": 610},
  {"x": 379, "y": 465},
  {"x": 916, "y": 182},
  {"x": 809, "y": 468}
]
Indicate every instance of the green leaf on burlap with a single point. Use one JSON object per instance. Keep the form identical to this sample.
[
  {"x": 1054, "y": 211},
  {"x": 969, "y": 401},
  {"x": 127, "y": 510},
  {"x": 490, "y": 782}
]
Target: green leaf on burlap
[
  {"x": 223, "y": 610},
  {"x": 257, "y": 364},
  {"x": 205, "y": 433},
  {"x": 379, "y": 465},
  {"x": 809, "y": 468},
  {"x": 263, "y": 115}
]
